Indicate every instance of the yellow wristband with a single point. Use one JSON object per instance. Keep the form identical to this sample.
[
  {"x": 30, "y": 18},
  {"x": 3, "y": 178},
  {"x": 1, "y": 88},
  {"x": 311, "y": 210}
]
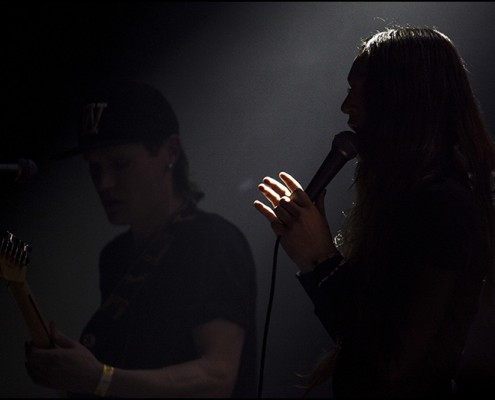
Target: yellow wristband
[{"x": 106, "y": 379}]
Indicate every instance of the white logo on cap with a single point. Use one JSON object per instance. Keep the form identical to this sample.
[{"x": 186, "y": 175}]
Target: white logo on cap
[{"x": 92, "y": 118}]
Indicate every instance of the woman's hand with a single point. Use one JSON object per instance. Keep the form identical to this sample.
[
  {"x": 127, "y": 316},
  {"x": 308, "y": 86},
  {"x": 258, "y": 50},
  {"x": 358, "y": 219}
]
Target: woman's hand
[{"x": 302, "y": 226}]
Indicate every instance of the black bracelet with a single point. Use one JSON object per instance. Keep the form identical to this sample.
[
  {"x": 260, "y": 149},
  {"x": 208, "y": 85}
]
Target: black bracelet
[{"x": 327, "y": 268}]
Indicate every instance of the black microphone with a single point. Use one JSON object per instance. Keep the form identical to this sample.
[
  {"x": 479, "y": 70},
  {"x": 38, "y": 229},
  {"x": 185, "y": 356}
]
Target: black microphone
[
  {"x": 25, "y": 168},
  {"x": 344, "y": 148}
]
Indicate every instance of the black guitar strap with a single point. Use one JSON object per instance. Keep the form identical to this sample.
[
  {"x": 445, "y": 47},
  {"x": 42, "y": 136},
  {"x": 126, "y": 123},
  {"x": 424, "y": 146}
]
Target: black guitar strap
[{"x": 98, "y": 334}]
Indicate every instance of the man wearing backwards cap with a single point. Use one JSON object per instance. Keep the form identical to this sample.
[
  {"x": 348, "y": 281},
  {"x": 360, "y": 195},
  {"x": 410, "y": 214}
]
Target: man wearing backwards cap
[{"x": 177, "y": 312}]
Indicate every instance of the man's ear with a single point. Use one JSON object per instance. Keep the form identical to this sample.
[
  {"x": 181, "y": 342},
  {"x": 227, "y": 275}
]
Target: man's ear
[{"x": 172, "y": 148}]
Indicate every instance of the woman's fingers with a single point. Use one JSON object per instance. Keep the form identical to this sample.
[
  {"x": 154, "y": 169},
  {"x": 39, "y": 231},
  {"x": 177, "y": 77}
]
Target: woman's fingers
[
  {"x": 275, "y": 190},
  {"x": 286, "y": 201},
  {"x": 270, "y": 215},
  {"x": 298, "y": 195},
  {"x": 276, "y": 186},
  {"x": 288, "y": 209},
  {"x": 269, "y": 194},
  {"x": 265, "y": 210},
  {"x": 290, "y": 181}
]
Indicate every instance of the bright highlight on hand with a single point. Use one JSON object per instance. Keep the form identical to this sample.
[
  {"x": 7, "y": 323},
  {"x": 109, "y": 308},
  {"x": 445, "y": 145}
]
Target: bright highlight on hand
[
  {"x": 302, "y": 226},
  {"x": 274, "y": 191}
]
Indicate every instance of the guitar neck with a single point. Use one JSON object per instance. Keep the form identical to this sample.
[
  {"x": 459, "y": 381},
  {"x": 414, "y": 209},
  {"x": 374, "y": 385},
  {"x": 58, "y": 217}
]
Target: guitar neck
[{"x": 35, "y": 322}]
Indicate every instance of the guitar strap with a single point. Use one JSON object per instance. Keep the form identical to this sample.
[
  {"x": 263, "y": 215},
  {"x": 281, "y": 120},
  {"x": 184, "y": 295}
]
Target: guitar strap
[{"x": 98, "y": 334}]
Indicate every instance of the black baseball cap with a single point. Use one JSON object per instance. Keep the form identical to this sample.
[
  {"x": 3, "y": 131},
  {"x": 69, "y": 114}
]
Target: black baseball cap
[{"x": 123, "y": 112}]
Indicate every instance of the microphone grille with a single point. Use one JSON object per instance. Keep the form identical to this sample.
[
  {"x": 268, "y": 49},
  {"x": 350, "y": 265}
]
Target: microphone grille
[
  {"x": 27, "y": 168},
  {"x": 347, "y": 143}
]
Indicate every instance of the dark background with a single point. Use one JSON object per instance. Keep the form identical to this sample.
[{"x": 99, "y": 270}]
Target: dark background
[{"x": 257, "y": 88}]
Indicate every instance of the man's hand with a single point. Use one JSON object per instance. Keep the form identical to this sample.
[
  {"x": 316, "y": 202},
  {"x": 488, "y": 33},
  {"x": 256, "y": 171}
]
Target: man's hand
[{"x": 67, "y": 366}]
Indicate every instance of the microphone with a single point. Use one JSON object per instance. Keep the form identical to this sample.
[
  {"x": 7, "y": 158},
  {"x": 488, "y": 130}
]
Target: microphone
[
  {"x": 25, "y": 168},
  {"x": 344, "y": 148}
]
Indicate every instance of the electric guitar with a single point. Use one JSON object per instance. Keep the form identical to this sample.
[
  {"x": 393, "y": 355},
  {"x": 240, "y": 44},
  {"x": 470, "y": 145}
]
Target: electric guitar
[{"x": 14, "y": 258}]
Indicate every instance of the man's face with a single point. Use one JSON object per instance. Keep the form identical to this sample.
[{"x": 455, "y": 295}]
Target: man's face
[{"x": 130, "y": 182}]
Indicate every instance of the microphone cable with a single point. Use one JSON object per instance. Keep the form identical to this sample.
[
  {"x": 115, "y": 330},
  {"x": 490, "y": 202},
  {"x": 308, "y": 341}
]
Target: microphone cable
[
  {"x": 344, "y": 148},
  {"x": 267, "y": 320}
]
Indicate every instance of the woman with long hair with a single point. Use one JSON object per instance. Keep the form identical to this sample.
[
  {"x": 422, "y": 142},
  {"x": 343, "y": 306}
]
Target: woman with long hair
[{"x": 400, "y": 284}]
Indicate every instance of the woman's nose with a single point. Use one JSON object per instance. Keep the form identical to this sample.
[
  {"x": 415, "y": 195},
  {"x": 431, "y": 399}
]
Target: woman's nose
[{"x": 347, "y": 107}]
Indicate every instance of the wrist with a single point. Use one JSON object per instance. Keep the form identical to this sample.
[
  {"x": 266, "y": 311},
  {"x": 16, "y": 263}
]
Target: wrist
[
  {"x": 326, "y": 256},
  {"x": 310, "y": 266},
  {"x": 329, "y": 267},
  {"x": 105, "y": 381}
]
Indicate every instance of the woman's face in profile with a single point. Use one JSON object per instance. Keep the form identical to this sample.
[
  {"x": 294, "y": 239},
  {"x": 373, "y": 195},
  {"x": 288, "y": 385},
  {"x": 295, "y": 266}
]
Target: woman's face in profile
[{"x": 354, "y": 103}]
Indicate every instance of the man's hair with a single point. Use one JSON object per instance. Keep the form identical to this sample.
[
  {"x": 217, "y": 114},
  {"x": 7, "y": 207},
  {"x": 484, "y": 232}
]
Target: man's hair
[{"x": 180, "y": 173}]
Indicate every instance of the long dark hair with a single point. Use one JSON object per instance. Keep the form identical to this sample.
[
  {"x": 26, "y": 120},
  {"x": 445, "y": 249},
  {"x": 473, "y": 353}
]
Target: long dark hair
[{"x": 422, "y": 117}]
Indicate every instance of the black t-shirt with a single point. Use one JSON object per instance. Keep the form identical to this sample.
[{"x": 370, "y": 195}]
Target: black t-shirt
[{"x": 207, "y": 272}]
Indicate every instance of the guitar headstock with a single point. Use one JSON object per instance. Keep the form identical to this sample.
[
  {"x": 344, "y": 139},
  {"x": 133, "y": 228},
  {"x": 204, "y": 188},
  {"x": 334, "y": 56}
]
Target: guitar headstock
[{"x": 14, "y": 257}]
